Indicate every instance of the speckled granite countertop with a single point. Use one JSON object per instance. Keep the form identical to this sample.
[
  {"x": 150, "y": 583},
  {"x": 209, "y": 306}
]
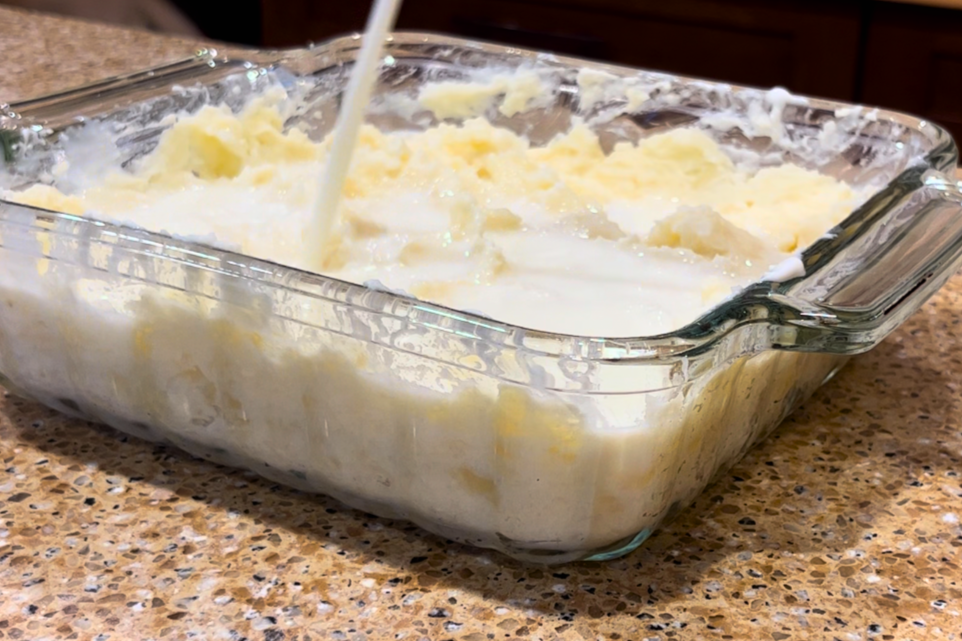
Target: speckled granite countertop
[{"x": 844, "y": 525}]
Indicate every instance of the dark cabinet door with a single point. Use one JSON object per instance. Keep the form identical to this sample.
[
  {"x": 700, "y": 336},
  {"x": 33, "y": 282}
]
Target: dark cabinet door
[
  {"x": 808, "y": 46},
  {"x": 913, "y": 62},
  {"x": 292, "y": 23}
]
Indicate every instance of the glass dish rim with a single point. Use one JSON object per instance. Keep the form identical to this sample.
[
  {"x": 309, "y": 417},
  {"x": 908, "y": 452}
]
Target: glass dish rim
[{"x": 696, "y": 337}]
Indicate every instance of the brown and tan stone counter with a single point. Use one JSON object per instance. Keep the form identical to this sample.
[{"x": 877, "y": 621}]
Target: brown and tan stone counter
[{"x": 843, "y": 525}]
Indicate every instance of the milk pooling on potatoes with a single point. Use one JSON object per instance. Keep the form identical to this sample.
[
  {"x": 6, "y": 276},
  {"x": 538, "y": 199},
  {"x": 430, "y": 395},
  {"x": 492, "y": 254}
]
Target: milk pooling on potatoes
[{"x": 561, "y": 237}]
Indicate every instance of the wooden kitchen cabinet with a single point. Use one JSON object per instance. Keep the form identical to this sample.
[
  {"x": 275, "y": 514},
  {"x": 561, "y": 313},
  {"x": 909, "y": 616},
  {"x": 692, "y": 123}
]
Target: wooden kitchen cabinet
[
  {"x": 752, "y": 42},
  {"x": 913, "y": 62},
  {"x": 290, "y": 23}
]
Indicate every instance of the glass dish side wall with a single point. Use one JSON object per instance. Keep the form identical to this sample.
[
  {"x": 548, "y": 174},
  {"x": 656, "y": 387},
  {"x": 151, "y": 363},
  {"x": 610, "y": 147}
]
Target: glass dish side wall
[{"x": 111, "y": 330}]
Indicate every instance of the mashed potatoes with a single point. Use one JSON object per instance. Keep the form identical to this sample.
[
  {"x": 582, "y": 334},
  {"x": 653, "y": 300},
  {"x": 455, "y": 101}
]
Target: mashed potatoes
[
  {"x": 561, "y": 238},
  {"x": 492, "y": 443}
]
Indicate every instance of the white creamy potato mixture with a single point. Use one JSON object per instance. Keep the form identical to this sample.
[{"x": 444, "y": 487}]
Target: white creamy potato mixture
[{"x": 561, "y": 238}]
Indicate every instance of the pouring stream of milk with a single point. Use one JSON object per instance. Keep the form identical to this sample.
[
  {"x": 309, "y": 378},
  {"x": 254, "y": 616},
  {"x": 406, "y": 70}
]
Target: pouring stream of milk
[{"x": 349, "y": 119}]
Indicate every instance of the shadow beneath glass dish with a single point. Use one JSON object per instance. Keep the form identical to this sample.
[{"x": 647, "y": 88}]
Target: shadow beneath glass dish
[{"x": 813, "y": 491}]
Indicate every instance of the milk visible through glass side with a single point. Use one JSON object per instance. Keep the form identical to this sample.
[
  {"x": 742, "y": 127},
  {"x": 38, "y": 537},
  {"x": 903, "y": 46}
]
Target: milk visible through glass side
[{"x": 561, "y": 237}]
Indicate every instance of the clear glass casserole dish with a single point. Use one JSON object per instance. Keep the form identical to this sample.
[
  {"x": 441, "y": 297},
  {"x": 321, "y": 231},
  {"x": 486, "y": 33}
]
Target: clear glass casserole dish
[{"x": 547, "y": 447}]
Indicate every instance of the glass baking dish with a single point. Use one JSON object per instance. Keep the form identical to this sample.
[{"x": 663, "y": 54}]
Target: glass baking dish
[{"x": 549, "y": 448}]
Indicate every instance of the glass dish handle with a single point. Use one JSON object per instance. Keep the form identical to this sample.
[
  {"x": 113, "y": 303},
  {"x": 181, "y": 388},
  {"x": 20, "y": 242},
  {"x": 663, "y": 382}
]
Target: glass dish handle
[{"x": 900, "y": 252}]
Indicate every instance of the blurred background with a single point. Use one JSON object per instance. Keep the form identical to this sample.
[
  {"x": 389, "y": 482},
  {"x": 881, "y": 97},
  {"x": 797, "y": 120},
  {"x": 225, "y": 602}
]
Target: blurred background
[{"x": 904, "y": 55}]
